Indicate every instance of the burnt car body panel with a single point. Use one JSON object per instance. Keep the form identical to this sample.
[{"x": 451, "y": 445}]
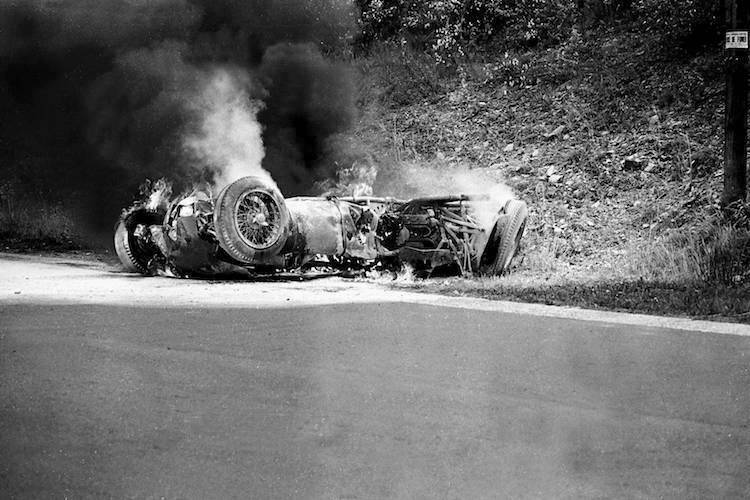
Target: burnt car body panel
[{"x": 250, "y": 228}]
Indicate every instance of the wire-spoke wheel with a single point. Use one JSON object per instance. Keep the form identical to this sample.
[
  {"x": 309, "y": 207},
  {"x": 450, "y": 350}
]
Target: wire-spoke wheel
[
  {"x": 251, "y": 219},
  {"x": 257, "y": 218}
]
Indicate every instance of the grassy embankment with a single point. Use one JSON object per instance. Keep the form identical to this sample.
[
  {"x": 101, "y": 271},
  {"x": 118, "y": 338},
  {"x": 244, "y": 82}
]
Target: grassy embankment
[{"x": 617, "y": 150}]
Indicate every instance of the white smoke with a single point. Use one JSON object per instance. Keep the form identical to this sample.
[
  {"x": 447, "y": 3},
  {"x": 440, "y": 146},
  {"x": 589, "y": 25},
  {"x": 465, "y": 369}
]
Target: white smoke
[
  {"x": 411, "y": 180},
  {"x": 493, "y": 192},
  {"x": 229, "y": 139}
]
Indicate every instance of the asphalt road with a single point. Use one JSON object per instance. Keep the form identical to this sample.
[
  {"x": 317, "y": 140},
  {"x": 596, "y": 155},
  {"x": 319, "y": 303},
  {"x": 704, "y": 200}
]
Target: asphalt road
[{"x": 116, "y": 386}]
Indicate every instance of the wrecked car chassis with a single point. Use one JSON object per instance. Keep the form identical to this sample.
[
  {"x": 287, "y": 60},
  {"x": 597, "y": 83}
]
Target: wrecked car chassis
[{"x": 251, "y": 229}]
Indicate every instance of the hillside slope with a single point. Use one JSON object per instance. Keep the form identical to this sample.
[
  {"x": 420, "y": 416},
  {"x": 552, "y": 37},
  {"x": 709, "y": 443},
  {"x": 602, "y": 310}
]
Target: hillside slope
[{"x": 615, "y": 145}]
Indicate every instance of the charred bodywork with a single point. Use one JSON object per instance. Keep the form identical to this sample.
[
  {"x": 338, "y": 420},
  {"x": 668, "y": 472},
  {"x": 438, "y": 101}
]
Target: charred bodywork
[{"x": 251, "y": 228}]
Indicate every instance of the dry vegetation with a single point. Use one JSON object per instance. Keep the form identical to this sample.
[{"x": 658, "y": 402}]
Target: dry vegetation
[
  {"x": 35, "y": 223},
  {"x": 617, "y": 150}
]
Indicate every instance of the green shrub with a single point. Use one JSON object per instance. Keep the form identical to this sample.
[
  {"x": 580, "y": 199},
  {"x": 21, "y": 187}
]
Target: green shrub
[
  {"x": 688, "y": 24},
  {"x": 453, "y": 29}
]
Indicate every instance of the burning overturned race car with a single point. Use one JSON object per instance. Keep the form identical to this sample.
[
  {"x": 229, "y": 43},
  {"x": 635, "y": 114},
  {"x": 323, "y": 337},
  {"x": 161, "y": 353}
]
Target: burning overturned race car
[{"x": 251, "y": 229}]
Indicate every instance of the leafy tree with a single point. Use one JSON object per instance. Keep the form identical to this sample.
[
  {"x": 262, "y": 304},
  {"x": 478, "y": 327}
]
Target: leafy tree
[
  {"x": 688, "y": 24},
  {"x": 450, "y": 28}
]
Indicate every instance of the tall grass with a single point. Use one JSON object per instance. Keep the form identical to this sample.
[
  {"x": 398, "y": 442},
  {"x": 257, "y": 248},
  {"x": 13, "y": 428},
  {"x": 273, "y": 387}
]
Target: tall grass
[
  {"x": 713, "y": 253},
  {"x": 37, "y": 222}
]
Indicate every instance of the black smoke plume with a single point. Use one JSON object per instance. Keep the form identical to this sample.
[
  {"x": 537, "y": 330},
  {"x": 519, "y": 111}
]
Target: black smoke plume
[{"x": 97, "y": 95}]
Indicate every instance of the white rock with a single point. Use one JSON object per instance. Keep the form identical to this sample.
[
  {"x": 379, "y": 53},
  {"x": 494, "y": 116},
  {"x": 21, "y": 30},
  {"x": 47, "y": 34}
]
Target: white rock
[{"x": 559, "y": 130}]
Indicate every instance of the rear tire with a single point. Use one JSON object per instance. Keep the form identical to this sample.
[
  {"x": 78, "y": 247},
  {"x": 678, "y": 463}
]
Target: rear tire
[
  {"x": 133, "y": 253},
  {"x": 251, "y": 219},
  {"x": 505, "y": 239}
]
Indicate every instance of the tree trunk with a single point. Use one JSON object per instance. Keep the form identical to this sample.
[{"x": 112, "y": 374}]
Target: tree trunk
[{"x": 735, "y": 124}]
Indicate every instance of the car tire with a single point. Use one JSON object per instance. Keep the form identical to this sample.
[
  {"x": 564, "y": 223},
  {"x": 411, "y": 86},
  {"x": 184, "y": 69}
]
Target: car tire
[
  {"x": 251, "y": 219},
  {"x": 134, "y": 256},
  {"x": 505, "y": 238}
]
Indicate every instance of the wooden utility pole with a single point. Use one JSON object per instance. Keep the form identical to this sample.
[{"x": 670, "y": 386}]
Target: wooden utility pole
[{"x": 735, "y": 123}]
